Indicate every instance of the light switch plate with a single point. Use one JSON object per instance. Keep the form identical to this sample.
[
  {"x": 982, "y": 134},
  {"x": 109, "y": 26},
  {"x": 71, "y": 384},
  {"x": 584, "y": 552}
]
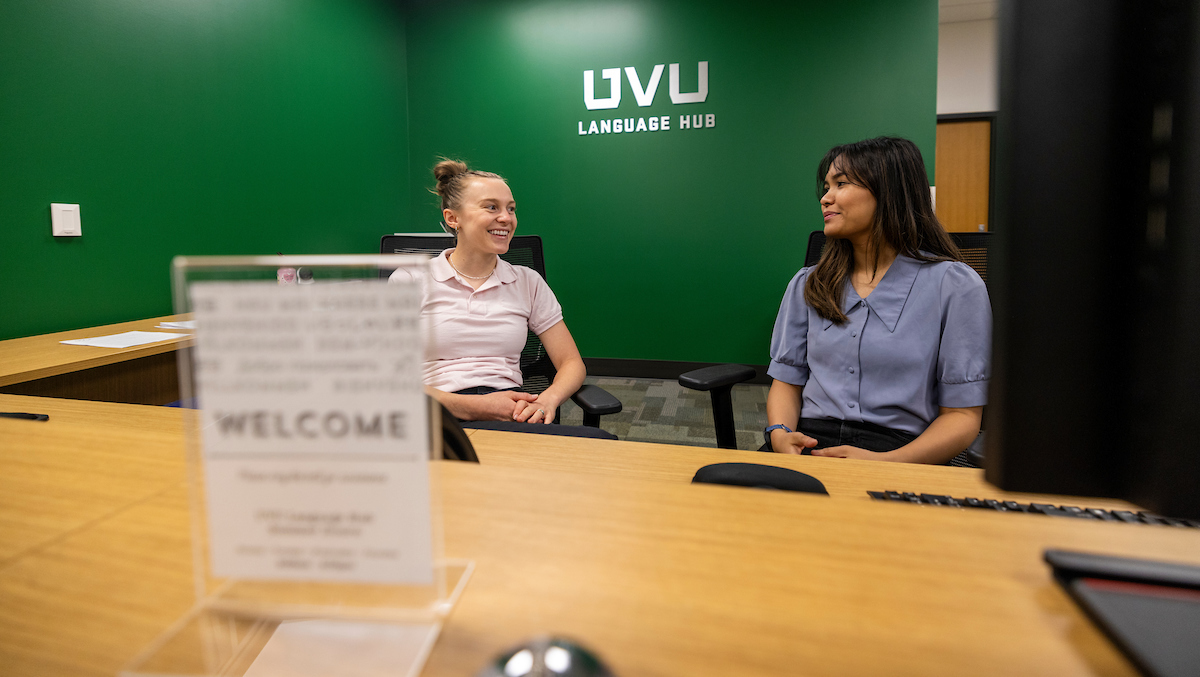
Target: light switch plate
[{"x": 64, "y": 220}]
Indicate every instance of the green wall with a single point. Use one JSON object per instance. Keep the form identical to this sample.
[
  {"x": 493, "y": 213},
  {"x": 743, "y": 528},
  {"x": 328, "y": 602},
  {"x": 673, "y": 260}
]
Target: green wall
[
  {"x": 193, "y": 127},
  {"x": 666, "y": 245},
  {"x": 310, "y": 126}
]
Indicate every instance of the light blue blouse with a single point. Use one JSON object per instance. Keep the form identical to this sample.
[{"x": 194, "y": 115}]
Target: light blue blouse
[{"x": 920, "y": 340}]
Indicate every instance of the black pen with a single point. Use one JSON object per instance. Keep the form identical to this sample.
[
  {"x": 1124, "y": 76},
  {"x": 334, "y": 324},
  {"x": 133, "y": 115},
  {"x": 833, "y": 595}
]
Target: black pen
[{"x": 28, "y": 417}]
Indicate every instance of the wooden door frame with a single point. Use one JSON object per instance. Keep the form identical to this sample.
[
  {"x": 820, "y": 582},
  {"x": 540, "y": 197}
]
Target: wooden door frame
[{"x": 981, "y": 117}]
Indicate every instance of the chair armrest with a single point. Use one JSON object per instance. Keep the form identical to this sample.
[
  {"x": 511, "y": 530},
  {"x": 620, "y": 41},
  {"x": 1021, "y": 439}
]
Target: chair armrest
[
  {"x": 596, "y": 400},
  {"x": 718, "y": 376}
]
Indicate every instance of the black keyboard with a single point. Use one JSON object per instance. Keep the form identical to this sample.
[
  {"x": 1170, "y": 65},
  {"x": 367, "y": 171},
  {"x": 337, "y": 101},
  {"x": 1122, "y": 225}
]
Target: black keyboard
[{"x": 1036, "y": 508}]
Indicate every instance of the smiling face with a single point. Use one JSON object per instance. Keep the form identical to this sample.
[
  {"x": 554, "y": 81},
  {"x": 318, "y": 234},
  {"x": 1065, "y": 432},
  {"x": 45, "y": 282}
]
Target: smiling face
[
  {"x": 486, "y": 218},
  {"x": 848, "y": 208}
]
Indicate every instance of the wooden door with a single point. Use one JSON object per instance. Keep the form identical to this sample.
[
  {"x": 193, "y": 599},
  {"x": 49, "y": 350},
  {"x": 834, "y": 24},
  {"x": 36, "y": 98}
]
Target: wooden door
[{"x": 963, "y": 174}]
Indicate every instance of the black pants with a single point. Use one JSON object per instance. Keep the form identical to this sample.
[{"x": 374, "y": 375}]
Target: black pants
[
  {"x": 832, "y": 432},
  {"x": 480, "y": 390}
]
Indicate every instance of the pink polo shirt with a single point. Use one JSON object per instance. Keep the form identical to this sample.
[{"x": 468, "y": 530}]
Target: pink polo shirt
[{"x": 476, "y": 335}]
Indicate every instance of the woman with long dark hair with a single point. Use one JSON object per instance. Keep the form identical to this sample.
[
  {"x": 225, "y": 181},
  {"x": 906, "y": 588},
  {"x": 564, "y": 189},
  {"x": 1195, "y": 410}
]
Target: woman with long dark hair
[{"x": 882, "y": 349}]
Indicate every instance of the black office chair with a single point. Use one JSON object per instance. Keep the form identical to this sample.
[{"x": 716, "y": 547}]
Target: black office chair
[
  {"x": 456, "y": 446},
  {"x": 720, "y": 379},
  {"x": 537, "y": 371}
]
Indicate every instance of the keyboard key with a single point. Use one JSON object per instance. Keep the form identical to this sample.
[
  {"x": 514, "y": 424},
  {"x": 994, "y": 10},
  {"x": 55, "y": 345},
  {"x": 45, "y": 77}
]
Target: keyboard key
[
  {"x": 1056, "y": 512},
  {"x": 1101, "y": 514},
  {"x": 934, "y": 499},
  {"x": 894, "y": 495},
  {"x": 1043, "y": 508},
  {"x": 974, "y": 503},
  {"x": 994, "y": 504},
  {"x": 910, "y": 497},
  {"x": 1126, "y": 516},
  {"x": 1016, "y": 507},
  {"x": 879, "y": 495},
  {"x": 1071, "y": 509}
]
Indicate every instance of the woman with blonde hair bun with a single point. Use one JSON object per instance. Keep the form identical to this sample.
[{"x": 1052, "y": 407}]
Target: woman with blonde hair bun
[{"x": 479, "y": 309}]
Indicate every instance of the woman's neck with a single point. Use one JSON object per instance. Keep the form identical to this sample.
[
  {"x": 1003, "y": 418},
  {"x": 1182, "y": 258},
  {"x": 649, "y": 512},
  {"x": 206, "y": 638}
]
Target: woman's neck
[
  {"x": 472, "y": 263},
  {"x": 866, "y": 268}
]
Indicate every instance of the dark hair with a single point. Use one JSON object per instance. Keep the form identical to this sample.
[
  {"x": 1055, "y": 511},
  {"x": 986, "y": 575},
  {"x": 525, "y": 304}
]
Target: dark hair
[
  {"x": 893, "y": 170},
  {"x": 452, "y": 177}
]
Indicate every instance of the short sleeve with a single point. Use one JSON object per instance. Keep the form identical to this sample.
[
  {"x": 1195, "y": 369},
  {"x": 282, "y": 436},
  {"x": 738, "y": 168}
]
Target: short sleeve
[
  {"x": 544, "y": 311},
  {"x": 789, "y": 340},
  {"x": 965, "y": 353},
  {"x": 410, "y": 274}
]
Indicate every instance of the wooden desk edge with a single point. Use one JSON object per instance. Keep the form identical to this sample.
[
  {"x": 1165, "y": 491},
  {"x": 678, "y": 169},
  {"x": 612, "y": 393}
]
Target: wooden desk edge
[
  {"x": 110, "y": 356},
  {"x": 506, "y": 448}
]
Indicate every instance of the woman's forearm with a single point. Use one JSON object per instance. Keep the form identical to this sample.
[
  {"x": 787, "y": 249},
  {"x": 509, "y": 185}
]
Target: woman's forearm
[
  {"x": 783, "y": 404},
  {"x": 567, "y": 381},
  {"x": 950, "y": 433},
  {"x": 561, "y": 348},
  {"x": 458, "y": 405}
]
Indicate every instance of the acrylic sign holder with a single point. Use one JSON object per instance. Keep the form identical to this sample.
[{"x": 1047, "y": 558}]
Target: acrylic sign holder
[{"x": 314, "y": 549}]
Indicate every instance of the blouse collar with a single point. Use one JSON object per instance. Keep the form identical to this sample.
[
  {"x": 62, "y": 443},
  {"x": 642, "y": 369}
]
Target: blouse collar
[{"x": 888, "y": 299}]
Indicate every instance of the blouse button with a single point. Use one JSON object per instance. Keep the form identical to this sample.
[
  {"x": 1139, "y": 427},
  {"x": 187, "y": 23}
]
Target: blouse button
[
  {"x": 853, "y": 334},
  {"x": 851, "y": 370},
  {"x": 851, "y": 405}
]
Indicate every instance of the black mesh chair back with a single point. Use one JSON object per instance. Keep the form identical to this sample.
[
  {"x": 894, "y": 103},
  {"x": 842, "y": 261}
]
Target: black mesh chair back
[
  {"x": 816, "y": 245},
  {"x": 537, "y": 371},
  {"x": 974, "y": 249},
  {"x": 973, "y": 246}
]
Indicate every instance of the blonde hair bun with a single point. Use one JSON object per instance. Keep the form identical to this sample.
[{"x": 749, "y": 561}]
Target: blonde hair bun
[
  {"x": 451, "y": 177},
  {"x": 446, "y": 170}
]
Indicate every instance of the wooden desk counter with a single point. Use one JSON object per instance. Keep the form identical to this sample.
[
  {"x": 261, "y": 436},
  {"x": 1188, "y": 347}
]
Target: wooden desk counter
[
  {"x": 95, "y": 541},
  {"x": 658, "y": 576},
  {"x": 90, "y": 461},
  {"x": 678, "y": 579},
  {"x": 145, "y": 374}
]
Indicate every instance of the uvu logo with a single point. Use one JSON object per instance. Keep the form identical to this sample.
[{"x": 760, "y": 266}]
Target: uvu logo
[{"x": 644, "y": 95}]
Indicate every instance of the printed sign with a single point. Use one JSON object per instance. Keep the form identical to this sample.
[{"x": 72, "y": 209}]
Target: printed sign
[{"x": 314, "y": 431}]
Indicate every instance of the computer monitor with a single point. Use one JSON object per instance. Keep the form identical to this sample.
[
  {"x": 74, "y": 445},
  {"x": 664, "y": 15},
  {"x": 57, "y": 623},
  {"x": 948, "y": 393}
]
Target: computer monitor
[{"x": 1095, "y": 279}]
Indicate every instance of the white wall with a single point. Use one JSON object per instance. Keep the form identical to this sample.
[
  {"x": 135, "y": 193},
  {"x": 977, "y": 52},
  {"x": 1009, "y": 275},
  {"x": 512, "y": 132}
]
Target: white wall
[{"x": 967, "y": 67}]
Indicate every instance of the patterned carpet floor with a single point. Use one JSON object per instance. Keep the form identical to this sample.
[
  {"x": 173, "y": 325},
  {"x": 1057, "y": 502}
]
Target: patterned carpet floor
[{"x": 657, "y": 410}]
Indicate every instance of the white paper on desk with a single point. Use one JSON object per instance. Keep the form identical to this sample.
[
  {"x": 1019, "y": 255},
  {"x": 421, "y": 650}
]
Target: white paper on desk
[
  {"x": 124, "y": 340},
  {"x": 182, "y": 324},
  {"x": 315, "y": 431},
  {"x": 322, "y": 648}
]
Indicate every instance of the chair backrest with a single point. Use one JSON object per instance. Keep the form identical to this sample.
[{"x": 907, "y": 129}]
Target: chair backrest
[
  {"x": 537, "y": 371},
  {"x": 973, "y": 246},
  {"x": 816, "y": 245},
  {"x": 974, "y": 250}
]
